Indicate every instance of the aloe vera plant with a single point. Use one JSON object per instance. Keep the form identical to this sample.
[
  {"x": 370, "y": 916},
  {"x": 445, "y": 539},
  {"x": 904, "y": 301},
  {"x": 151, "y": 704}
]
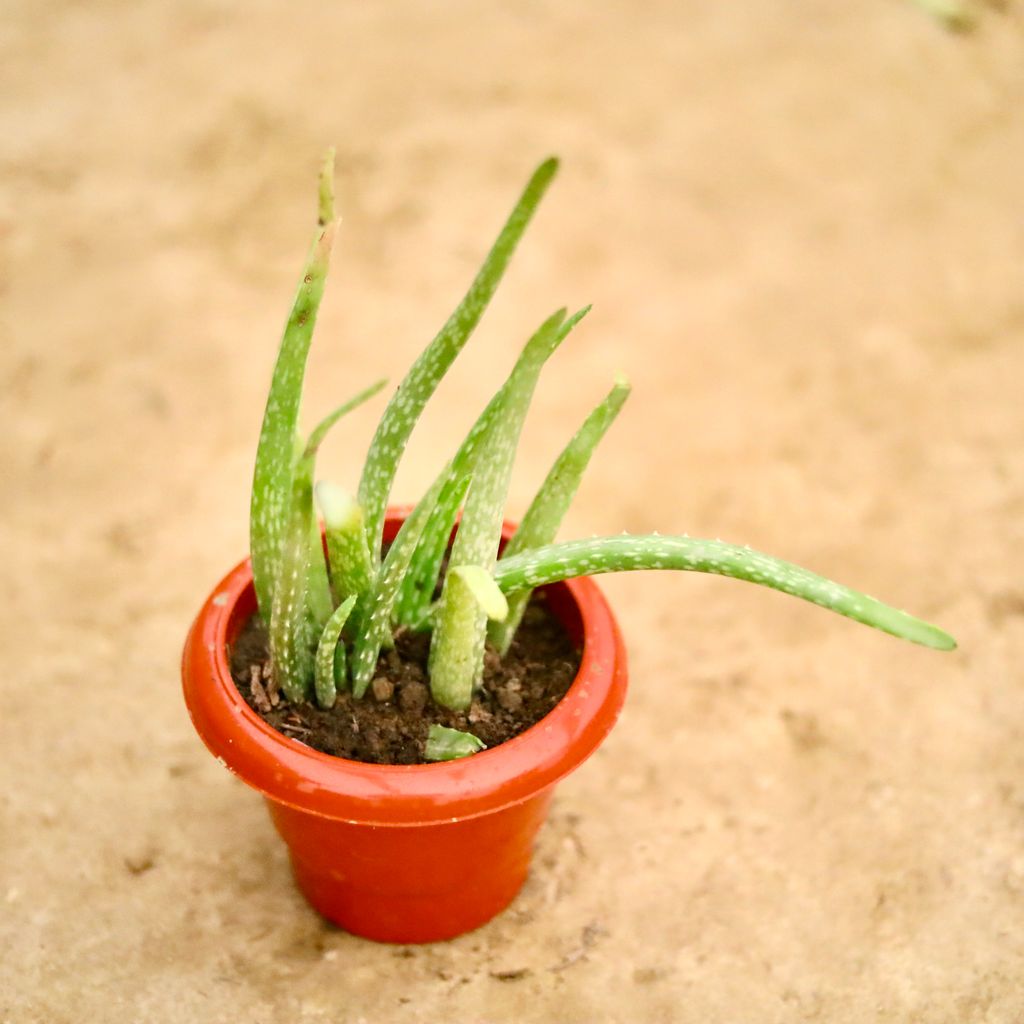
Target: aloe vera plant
[{"x": 333, "y": 601}]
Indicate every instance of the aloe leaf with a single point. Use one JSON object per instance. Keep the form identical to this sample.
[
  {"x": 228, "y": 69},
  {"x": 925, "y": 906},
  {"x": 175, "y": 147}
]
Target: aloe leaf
[
  {"x": 617, "y": 554},
  {"x": 375, "y": 630},
  {"x": 547, "y": 510},
  {"x": 319, "y": 432},
  {"x": 444, "y": 744},
  {"x": 275, "y": 454},
  {"x": 321, "y": 605},
  {"x": 457, "y": 640},
  {"x": 417, "y": 593},
  {"x": 290, "y": 633},
  {"x": 351, "y": 569},
  {"x": 325, "y": 193},
  {"x": 330, "y": 655},
  {"x": 404, "y": 409}
]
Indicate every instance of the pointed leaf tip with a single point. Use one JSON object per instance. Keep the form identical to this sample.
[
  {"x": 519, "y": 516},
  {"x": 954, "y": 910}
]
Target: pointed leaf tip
[
  {"x": 548, "y": 168},
  {"x": 325, "y": 198}
]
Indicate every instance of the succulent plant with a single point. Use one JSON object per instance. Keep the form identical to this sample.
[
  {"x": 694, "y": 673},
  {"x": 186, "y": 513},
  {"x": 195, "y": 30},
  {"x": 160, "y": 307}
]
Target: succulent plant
[{"x": 333, "y": 599}]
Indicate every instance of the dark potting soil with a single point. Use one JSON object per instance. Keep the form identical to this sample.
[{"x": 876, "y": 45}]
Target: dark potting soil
[{"x": 389, "y": 724}]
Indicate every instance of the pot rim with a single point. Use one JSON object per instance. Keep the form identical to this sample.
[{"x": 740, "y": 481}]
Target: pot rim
[{"x": 288, "y": 772}]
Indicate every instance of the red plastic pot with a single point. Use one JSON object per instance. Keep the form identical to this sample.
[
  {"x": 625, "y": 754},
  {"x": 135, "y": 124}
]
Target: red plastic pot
[{"x": 411, "y": 853}]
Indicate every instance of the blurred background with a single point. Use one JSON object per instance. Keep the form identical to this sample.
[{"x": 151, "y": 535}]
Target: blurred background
[{"x": 801, "y": 228}]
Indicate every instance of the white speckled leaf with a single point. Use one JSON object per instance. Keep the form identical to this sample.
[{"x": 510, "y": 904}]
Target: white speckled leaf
[
  {"x": 547, "y": 510},
  {"x": 457, "y": 641},
  {"x": 320, "y": 602},
  {"x": 290, "y": 628},
  {"x": 330, "y": 655},
  {"x": 351, "y": 570},
  {"x": 404, "y": 409},
  {"x": 275, "y": 453},
  {"x": 618, "y": 554},
  {"x": 417, "y": 590},
  {"x": 376, "y": 628}
]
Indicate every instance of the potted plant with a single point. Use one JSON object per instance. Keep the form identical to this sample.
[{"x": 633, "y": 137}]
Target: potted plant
[{"x": 354, "y": 670}]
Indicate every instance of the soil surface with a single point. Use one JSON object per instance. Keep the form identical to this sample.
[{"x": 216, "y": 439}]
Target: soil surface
[
  {"x": 389, "y": 724},
  {"x": 799, "y": 222}
]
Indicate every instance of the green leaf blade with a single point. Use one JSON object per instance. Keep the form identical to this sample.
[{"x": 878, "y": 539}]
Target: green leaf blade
[
  {"x": 375, "y": 630},
  {"x": 291, "y": 657},
  {"x": 319, "y": 433},
  {"x": 417, "y": 590},
  {"x": 330, "y": 655},
  {"x": 275, "y": 453},
  {"x": 457, "y": 640},
  {"x": 556, "y": 562},
  {"x": 351, "y": 569},
  {"x": 444, "y": 744},
  {"x": 404, "y": 409},
  {"x": 543, "y": 518},
  {"x": 320, "y": 602}
]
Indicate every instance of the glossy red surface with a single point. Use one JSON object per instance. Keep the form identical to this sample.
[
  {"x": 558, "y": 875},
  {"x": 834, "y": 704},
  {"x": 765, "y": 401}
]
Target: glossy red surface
[{"x": 409, "y": 853}]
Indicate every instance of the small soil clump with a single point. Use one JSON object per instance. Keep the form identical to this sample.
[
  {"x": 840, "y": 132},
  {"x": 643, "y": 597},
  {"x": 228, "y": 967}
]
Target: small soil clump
[{"x": 389, "y": 724}]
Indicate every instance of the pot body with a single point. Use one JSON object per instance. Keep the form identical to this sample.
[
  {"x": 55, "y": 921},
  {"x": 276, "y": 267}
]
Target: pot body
[
  {"x": 412, "y": 853},
  {"x": 412, "y": 884}
]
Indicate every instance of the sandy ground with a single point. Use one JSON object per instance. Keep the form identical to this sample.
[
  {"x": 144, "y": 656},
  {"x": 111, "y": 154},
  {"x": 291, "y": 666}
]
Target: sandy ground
[{"x": 801, "y": 226}]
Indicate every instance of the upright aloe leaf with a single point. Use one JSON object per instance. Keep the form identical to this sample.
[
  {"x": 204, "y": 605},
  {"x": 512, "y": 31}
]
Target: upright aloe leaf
[
  {"x": 291, "y": 633},
  {"x": 420, "y": 383},
  {"x": 457, "y": 642},
  {"x": 547, "y": 510},
  {"x": 351, "y": 570},
  {"x": 618, "y": 554},
  {"x": 375, "y": 631},
  {"x": 417, "y": 590},
  {"x": 321, "y": 605},
  {"x": 272, "y": 478}
]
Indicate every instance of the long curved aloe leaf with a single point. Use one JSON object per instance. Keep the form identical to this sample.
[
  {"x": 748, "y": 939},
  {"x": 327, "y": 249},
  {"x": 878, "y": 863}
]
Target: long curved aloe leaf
[
  {"x": 330, "y": 655},
  {"x": 460, "y": 626},
  {"x": 417, "y": 590},
  {"x": 547, "y": 510},
  {"x": 275, "y": 454},
  {"x": 618, "y": 554},
  {"x": 404, "y": 409}
]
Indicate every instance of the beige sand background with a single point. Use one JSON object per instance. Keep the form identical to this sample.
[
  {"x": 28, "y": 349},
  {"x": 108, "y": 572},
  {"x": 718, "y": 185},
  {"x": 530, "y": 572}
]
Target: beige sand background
[{"x": 801, "y": 226}]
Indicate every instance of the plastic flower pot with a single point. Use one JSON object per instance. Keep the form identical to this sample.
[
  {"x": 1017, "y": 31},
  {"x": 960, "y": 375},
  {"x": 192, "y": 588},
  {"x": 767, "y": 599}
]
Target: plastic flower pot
[{"x": 409, "y": 853}]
